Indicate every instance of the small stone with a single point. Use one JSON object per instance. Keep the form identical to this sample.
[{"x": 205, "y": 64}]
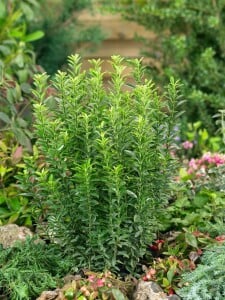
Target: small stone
[
  {"x": 48, "y": 295},
  {"x": 173, "y": 297},
  {"x": 149, "y": 290},
  {"x": 11, "y": 233}
]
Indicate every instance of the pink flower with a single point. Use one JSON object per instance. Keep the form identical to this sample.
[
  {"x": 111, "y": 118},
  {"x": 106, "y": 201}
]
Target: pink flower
[
  {"x": 192, "y": 164},
  {"x": 100, "y": 282},
  {"x": 91, "y": 278},
  {"x": 187, "y": 145},
  {"x": 220, "y": 238},
  {"x": 207, "y": 157},
  {"x": 219, "y": 159}
]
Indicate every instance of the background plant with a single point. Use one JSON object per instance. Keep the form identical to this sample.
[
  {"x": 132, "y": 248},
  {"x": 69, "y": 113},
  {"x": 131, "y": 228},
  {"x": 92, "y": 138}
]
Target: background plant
[
  {"x": 189, "y": 46},
  {"x": 106, "y": 162},
  {"x": 13, "y": 207},
  {"x": 195, "y": 141},
  {"x": 197, "y": 195},
  {"x": 17, "y": 65},
  {"x": 64, "y": 33}
]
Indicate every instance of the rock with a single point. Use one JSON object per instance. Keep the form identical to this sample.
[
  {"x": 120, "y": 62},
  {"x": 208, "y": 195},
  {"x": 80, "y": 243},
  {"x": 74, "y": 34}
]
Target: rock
[
  {"x": 48, "y": 295},
  {"x": 149, "y": 290},
  {"x": 11, "y": 233},
  {"x": 173, "y": 297}
]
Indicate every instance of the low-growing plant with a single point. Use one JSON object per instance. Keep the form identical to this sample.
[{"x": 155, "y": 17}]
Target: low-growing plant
[
  {"x": 174, "y": 254},
  {"x": 207, "y": 280},
  {"x": 197, "y": 195},
  {"x": 106, "y": 162},
  {"x": 102, "y": 286},
  {"x": 30, "y": 267}
]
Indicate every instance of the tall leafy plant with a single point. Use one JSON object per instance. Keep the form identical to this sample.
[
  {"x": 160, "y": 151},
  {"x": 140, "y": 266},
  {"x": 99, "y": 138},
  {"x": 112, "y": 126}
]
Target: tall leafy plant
[{"x": 105, "y": 162}]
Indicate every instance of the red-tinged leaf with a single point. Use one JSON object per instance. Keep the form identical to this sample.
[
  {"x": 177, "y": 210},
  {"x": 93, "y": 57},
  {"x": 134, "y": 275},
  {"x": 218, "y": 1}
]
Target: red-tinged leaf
[{"x": 17, "y": 155}]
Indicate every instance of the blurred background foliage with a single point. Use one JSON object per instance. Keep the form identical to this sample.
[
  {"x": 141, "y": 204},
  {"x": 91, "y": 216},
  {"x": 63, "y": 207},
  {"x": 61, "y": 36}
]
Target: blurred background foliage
[
  {"x": 17, "y": 66},
  {"x": 63, "y": 32},
  {"x": 190, "y": 46}
]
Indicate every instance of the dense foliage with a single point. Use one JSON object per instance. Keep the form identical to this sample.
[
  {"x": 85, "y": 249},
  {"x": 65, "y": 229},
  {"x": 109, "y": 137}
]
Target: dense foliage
[
  {"x": 190, "y": 46},
  {"x": 106, "y": 162},
  {"x": 26, "y": 269},
  {"x": 17, "y": 65},
  {"x": 13, "y": 207}
]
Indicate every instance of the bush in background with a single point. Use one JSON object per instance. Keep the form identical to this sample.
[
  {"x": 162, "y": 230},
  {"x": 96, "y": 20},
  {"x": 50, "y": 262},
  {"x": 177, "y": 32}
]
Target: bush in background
[
  {"x": 106, "y": 162},
  {"x": 63, "y": 32},
  {"x": 17, "y": 65},
  {"x": 189, "y": 46}
]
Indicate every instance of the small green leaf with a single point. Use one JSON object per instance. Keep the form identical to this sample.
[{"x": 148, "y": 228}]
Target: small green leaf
[
  {"x": 2, "y": 9},
  {"x": 170, "y": 274},
  {"x": 69, "y": 294},
  {"x": 13, "y": 218},
  {"x": 37, "y": 35},
  {"x": 4, "y": 49},
  {"x": 165, "y": 282},
  {"x": 117, "y": 294},
  {"x": 191, "y": 239},
  {"x": 81, "y": 298},
  {"x": 14, "y": 204},
  {"x": 4, "y": 118}
]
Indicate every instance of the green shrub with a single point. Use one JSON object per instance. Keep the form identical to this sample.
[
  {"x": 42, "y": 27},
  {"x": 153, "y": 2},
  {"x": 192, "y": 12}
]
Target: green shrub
[
  {"x": 106, "y": 162},
  {"x": 189, "y": 45},
  {"x": 29, "y": 268},
  {"x": 207, "y": 280}
]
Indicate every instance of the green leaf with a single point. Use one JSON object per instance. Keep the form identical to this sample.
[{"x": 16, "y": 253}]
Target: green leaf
[
  {"x": 165, "y": 282},
  {"x": 81, "y": 298},
  {"x": 4, "y": 118},
  {"x": 4, "y": 212},
  {"x": 69, "y": 294},
  {"x": 13, "y": 218},
  {"x": 2, "y": 9},
  {"x": 170, "y": 274},
  {"x": 191, "y": 239},
  {"x": 117, "y": 294},
  {"x": 14, "y": 204},
  {"x": 37, "y": 35},
  {"x": 5, "y": 50}
]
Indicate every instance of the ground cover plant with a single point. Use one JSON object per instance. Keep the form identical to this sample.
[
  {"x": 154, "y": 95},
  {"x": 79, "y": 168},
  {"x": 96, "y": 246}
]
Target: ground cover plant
[
  {"x": 106, "y": 162},
  {"x": 207, "y": 280},
  {"x": 174, "y": 254},
  {"x": 28, "y": 268}
]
